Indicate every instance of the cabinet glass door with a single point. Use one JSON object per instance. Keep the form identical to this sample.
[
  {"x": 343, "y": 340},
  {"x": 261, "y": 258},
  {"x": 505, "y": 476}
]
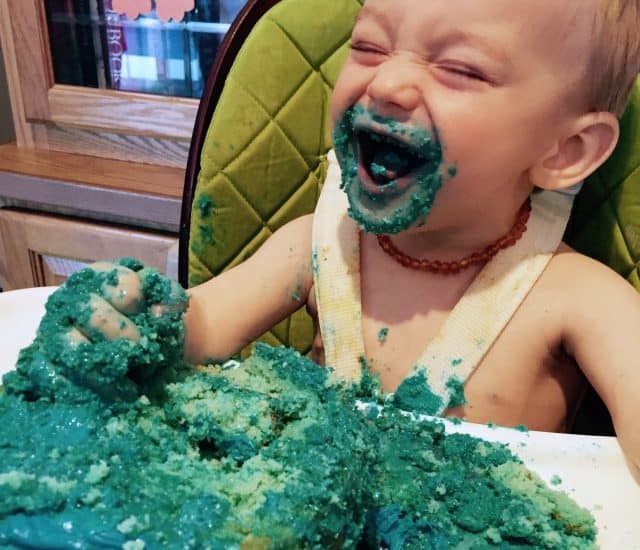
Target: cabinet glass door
[{"x": 135, "y": 45}]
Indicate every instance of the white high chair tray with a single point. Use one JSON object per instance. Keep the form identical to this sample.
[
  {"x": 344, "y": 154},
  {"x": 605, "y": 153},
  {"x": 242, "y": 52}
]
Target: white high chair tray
[{"x": 592, "y": 470}]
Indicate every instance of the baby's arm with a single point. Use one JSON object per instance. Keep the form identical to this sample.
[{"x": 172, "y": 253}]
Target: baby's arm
[
  {"x": 604, "y": 337},
  {"x": 223, "y": 314},
  {"x": 234, "y": 308}
]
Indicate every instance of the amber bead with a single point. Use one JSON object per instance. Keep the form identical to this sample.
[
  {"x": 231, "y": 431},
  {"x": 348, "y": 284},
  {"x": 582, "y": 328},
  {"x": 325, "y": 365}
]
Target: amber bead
[{"x": 452, "y": 267}]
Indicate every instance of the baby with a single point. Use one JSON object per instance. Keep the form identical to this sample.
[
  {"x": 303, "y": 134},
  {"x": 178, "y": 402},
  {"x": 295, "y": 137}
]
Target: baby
[{"x": 437, "y": 259}]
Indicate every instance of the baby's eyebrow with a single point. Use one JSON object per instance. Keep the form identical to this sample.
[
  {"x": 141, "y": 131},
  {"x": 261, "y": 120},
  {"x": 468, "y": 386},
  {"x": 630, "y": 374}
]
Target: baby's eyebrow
[
  {"x": 371, "y": 11},
  {"x": 489, "y": 47}
]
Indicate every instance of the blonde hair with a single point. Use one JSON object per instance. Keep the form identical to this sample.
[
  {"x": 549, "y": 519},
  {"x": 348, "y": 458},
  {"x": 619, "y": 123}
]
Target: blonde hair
[{"x": 615, "y": 61}]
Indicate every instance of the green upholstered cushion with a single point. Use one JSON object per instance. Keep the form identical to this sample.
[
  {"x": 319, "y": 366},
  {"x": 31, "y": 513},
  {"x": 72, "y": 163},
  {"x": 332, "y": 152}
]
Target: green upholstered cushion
[
  {"x": 605, "y": 221},
  {"x": 264, "y": 157}
]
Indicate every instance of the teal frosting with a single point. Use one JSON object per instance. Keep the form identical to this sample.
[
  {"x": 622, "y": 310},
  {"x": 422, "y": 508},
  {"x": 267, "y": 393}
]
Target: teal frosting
[
  {"x": 114, "y": 370},
  {"x": 206, "y": 234},
  {"x": 455, "y": 491},
  {"x": 456, "y": 392},
  {"x": 122, "y": 445},
  {"x": 395, "y": 210},
  {"x": 415, "y": 394},
  {"x": 205, "y": 206},
  {"x": 225, "y": 457}
]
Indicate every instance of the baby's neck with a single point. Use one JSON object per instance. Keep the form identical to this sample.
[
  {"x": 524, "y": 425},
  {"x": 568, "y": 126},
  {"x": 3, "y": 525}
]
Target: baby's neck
[{"x": 454, "y": 241}]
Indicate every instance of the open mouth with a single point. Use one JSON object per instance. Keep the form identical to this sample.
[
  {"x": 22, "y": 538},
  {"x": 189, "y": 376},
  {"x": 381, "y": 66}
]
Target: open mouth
[
  {"x": 391, "y": 170},
  {"x": 385, "y": 158}
]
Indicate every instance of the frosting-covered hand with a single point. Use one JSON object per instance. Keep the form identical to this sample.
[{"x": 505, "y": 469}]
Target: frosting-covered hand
[
  {"x": 126, "y": 291},
  {"x": 109, "y": 329}
]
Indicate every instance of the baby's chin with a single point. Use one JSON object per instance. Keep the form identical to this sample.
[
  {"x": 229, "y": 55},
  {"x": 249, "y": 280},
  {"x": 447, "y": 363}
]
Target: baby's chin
[{"x": 389, "y": 214}]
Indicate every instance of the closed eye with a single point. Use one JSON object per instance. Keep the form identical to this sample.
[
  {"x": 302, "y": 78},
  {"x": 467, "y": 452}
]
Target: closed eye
[
  {"x": 465, "y": 72},
  {"x": 366, "y": 47}
]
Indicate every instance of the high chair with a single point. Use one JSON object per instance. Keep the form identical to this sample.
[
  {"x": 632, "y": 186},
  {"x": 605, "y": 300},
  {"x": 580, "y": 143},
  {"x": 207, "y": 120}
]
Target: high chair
[{"x": 258, "y": 153}]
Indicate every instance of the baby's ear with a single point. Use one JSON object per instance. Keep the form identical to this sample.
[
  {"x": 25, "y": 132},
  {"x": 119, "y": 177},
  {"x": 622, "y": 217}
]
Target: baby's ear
[{"x": 588, "y": 142}]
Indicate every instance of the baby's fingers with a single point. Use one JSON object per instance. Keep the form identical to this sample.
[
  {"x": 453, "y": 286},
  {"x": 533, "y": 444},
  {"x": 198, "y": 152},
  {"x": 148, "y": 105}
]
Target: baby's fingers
[
  {"x": 122, "y": 289},
  {"x": 108, "y": 322},
  {"x": 170, "y": 297},
  {"x": 74, "y": 337}
]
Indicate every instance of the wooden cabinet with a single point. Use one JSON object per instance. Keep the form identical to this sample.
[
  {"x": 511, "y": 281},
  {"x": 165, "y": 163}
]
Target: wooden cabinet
[
  {"x": 103, "y": 208},
  {"x": 109, "y": 158},
  {"x": 41, "y": 250},
  {"x": 138, "y": 127}
]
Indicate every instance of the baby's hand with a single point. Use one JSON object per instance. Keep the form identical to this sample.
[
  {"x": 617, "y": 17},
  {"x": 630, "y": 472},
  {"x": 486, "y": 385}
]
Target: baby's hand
[
  {"x": 121, "y": 296},
  {"x": 109, "y": 330}
]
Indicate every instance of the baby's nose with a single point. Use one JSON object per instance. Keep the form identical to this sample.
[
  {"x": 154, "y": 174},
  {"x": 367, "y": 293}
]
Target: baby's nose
[{"x": 395, "y": 84}]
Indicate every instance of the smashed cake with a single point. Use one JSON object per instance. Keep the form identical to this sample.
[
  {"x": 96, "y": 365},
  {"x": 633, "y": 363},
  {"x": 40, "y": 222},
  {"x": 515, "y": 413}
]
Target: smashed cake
[{"x": 114, "y": 444}]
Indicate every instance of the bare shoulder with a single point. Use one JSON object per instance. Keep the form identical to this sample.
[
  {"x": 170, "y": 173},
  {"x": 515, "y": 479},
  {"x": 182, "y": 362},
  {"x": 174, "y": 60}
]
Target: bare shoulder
[
  {"x": 601, "y": 316},
  {"x": 579, "y": 276},
  {"x": 294, "y": 236},
  {"x": 600, "y": 313},
  {"x": 588, "y": 292}
]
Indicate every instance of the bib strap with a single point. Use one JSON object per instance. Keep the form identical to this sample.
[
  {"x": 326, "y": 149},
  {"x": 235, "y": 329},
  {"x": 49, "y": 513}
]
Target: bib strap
[{"x": 474, "y": 323}]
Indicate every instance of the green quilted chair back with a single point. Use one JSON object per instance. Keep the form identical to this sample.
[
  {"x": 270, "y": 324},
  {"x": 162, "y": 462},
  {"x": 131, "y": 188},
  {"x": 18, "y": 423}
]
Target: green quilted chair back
[{"x": 264, "y": 156}]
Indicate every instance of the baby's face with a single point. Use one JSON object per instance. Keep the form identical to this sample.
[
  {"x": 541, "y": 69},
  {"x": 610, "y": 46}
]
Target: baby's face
[{"x": 448, "y": 104}]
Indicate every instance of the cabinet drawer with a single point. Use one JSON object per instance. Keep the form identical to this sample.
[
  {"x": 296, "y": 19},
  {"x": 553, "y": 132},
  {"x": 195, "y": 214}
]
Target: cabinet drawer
[{"x": 43, "y": 250}]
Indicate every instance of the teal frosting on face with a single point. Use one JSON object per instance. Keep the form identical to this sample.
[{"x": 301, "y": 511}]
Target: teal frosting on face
[
  {"x": 396, "y": 209},
  {"x": 378, "y": 169}
]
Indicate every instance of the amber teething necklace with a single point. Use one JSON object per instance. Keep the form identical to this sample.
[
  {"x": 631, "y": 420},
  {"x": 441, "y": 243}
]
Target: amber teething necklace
[{"x": 455, "y": 266}]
